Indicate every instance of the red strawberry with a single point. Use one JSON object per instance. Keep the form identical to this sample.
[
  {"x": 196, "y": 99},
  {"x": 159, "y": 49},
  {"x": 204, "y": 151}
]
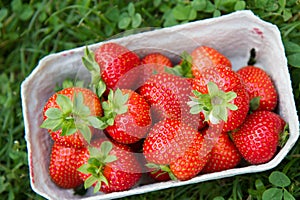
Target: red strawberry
[
  {"x": 115, "y": 61},
  {"x": 224, "y": 155},
  {"x": 109, "y": 167},
  {"x": 63, "y": 166},
  {"x": 259, "y": 85},
  {"x": 168, "y": 95},
  {"x": 157, "y": 58},
  {"x": 193, "y": 160},
  {"x": 172, "y": 143},
  {"x": 127, "y": 115},
  {"x": 204, "y": 56},
  {"x": 69, "y": 116},
  {"x": 257, "y": 139},
  {"x": 219, "y": 93}
]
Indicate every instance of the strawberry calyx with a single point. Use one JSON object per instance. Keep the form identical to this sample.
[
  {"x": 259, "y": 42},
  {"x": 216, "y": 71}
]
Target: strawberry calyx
[
  {"x": 184, "y": 68},
  {"x": 99, "y": 158},
  {"x": 163, "y": 168},
  {"x": 88, "y": 60},
  {"x": 214, "y": 105},
  {"x": 71, "y": 116},
  {"x": 116, "y": 104},
  {"x": 254, "y": 103}
]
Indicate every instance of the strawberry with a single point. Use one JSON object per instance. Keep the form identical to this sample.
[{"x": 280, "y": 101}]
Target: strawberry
[
  {"x": 258, "y": 137},
  {"x": 70, "y": 116},
  {"x": 109, "y": 167},
  {"x": 260, "y": 87},
  {"x": 115, "y": 61},
  {"x": 204, "y": 56},
  {"x": 157, "y": 58},
  {"x": 127, "y": 115},
  {"x": 193, "y": 161},
  {"x": 224, "y": 155},
  {"x": 168, "y": 95},
  {"x": 219, "y": 93},
  {"x": 63, "y": 166},
  {"x": 176, "y": 148},
  {"x": 110, "y": 66}
]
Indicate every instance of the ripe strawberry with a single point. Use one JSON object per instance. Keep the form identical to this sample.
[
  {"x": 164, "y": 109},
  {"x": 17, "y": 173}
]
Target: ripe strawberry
[
  {"x": 109, "y": 167},
  {"x": 172, "y": 143},
  {"x": 224, "y": 155},
  {"x": 63, "y": 166},
  {"x": 127, "y": 115},
  {"x": 193, "y": 160},
  {"x": 70, "y": 115},
  {"x": 168, "y": 95},
  {"x": 157, "y": 58},
  {"x": 257, "y": 139},
  {"x": 219, "y": 93},
  {"x": 115, "y": 61},
  {"x": 204, "y": 56},
  {"x": 259, "y": 85}
]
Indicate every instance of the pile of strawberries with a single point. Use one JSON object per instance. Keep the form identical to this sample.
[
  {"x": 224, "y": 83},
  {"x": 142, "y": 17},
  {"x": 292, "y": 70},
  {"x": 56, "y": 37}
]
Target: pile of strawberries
[{"x": 147, "y": 116}]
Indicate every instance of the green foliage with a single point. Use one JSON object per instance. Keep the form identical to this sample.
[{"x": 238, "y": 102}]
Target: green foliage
[{"x": 30, "y": 30}]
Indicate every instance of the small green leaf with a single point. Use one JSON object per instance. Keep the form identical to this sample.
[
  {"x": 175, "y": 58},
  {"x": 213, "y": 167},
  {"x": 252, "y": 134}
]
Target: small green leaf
[
  {"x": 279, "y": 179},
  {"x": 216, "y": 13},
  {"x": 101, "y": 88},
  {"x": 287, "y": 195},
  {"x": 96, "y": 122},
  {"x": 97, "y": 187},
  {"x": 287, "y": 14},
  {"x": 184, "y": 12},
  {"x": 131, "y": 9},
  {"x": 68, "y": 128},
  {"x": 54, "y": 113},
  {"x": 196, "y": 109},
  {"x": 27, "y": 12},
  {"x": 272, "y": 193},
  {"x": 106, "y": 147},
  {"x": 218, "y": 198},
  {"x": 89, "y": 181},
  {"x": 52, "y": 124},
  {"x": 152, "y": 165},
  {"x": 199, "y": 5},
  {"x": 85, "y": 132},
  {"x": 113, "y": 14},
  {"x": 259, "y": 185},
  {"x": 64, "y": 103},
  {"x": 124, "y": 21},
  {"x": 156, "y": 3},
  {"x": 84, "y": 168},
  {"x": 3, "y": 14},
  {"x": 240, "y": 5},
  {"x": 110, "y": 158},
  {"x": 213, "y": 89},
  {"x": 136, "y": 20},
  {"x": 294, "y": 59}
]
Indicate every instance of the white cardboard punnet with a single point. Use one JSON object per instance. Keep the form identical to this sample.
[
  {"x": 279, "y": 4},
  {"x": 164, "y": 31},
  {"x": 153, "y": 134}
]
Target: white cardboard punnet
[{"x": 234, "y": 35}]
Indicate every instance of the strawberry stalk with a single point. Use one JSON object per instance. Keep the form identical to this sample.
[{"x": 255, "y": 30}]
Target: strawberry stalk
[
  {"x": 214, "y": 105},
  {"x": 164, "y": 168},
  {"x": 71, "y": 116},
  {"x": 99, "y": 158},
  {"x": 89, "y": 62}
]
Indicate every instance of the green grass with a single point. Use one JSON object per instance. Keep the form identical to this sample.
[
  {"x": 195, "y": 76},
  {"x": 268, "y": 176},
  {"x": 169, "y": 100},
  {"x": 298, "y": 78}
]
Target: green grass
[{"x": 30, "y": 30}]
